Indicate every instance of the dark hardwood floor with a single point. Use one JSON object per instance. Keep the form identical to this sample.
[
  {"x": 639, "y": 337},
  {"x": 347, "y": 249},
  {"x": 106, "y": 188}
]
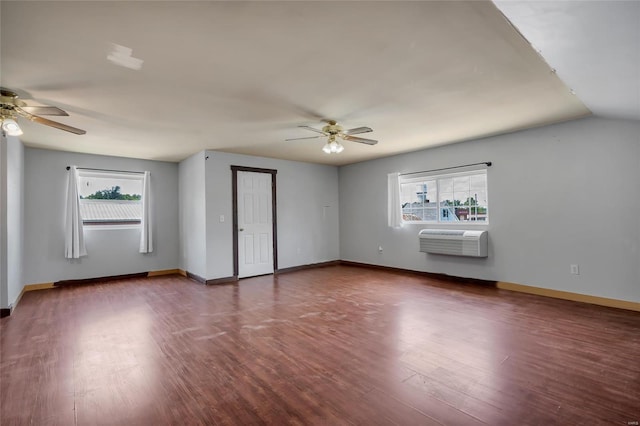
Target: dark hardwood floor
[{"x": 335, "y": 345}]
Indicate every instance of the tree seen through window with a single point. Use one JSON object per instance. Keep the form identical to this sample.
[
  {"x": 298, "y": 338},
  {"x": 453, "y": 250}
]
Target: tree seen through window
[{"x": 112, "y": 194}]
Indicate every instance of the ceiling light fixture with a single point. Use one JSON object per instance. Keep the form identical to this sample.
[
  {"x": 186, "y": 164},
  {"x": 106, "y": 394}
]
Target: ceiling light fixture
[
  {"x": 333, "y": 146},
  {"x": 10, "y": 126}
]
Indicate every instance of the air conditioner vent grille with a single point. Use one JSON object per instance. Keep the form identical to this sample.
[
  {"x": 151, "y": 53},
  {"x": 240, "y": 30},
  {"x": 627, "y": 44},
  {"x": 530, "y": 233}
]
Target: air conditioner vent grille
[{"x": 454, "y": 242}]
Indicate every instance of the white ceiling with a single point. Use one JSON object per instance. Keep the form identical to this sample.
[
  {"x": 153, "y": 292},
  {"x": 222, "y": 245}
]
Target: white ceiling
[{"x": 241, "y": 76}]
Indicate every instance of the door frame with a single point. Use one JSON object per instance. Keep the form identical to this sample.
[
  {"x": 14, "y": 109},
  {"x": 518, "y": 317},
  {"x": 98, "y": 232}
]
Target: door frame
[{"x": 234, "y": 207}]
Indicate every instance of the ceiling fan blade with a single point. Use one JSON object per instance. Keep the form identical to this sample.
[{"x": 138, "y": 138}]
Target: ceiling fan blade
[
  {"x": 45, "y": 110},
  {"x": 314, "y": 130},
  {"x": 310, "y": 137},
  {"x": 57, "y": 125},
  {"x": 358, "y": 130},
  {"x": 9, "y": 93},
  {"x": 361, "y": 140},
  {"x": 50, "y": 123}
]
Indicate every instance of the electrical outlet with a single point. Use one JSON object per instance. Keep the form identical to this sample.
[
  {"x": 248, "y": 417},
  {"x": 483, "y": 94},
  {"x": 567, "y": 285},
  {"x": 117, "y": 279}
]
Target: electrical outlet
[
  {"x": 575, "y": 270},
  {"x": 379, "y": 249},
  {"x": 221, "y": 218}
]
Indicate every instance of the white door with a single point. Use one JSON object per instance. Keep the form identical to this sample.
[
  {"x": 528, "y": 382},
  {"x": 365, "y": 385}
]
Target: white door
[{"x": 255, "y": 224}]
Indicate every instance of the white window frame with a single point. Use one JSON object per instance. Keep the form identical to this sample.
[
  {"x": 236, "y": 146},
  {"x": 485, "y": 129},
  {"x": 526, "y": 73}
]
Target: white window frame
[
  {"x": 115, "y": 175},
  {"x": 438, "y": 176}
]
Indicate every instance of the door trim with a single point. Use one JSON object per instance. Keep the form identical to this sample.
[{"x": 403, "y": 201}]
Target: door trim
[{"x": 234, "y": 207}]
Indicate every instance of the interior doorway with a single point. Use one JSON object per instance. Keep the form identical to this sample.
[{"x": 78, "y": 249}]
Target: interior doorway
[{"x": 254, "y": 221}]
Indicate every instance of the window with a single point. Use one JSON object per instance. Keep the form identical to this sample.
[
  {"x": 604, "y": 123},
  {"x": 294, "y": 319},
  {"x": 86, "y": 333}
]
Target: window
[
  {"x": 110, "y": 198},
  {"x": 450, "y": 198}
]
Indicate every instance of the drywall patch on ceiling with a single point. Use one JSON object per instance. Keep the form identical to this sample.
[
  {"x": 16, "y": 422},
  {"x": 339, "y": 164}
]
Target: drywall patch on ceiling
[{"x": 122, "y": 56}]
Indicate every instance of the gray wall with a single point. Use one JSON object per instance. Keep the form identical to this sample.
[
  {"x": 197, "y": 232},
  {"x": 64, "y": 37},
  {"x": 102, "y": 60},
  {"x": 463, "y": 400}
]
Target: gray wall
[
  {"x": 110, "y": 251},
  {"x": 558, "y": 195},
  {"x": 308, "y": 232},
  {"x": 193, "y": 217},
  {"x": 11, "y": 219}
]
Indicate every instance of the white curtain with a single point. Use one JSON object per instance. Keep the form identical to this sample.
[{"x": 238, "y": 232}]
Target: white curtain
[
  {"x": 73, "y": 230},
  {"x": 146, "y": 224},
  {"x": 395, "y": 209}
]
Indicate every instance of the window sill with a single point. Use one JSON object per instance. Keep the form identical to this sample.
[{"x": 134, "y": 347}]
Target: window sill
[{"x": 446, "y": 224}]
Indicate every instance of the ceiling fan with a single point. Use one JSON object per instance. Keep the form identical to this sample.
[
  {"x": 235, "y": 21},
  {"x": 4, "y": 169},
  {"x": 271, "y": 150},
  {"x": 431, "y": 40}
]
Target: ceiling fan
[
  {"x": 11, "y": 107},
  {"x": 334, "y": 132}
]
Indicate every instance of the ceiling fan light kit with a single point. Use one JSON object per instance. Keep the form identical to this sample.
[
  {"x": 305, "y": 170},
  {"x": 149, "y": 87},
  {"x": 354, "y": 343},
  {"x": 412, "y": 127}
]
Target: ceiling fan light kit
[
  {"x": 10, "y": 126},
  {"x": 334, "y": 132},
  {"x": 333, "y": 146}
]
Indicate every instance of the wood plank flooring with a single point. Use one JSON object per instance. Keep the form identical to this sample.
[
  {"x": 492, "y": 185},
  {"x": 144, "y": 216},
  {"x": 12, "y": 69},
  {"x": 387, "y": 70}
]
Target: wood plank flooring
[{"x": 331, "y": 346}]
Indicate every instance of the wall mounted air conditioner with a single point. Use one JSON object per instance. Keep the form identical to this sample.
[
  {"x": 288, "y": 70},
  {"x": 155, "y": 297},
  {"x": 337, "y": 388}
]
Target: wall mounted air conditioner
[{"x": 454, "y": 242}]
